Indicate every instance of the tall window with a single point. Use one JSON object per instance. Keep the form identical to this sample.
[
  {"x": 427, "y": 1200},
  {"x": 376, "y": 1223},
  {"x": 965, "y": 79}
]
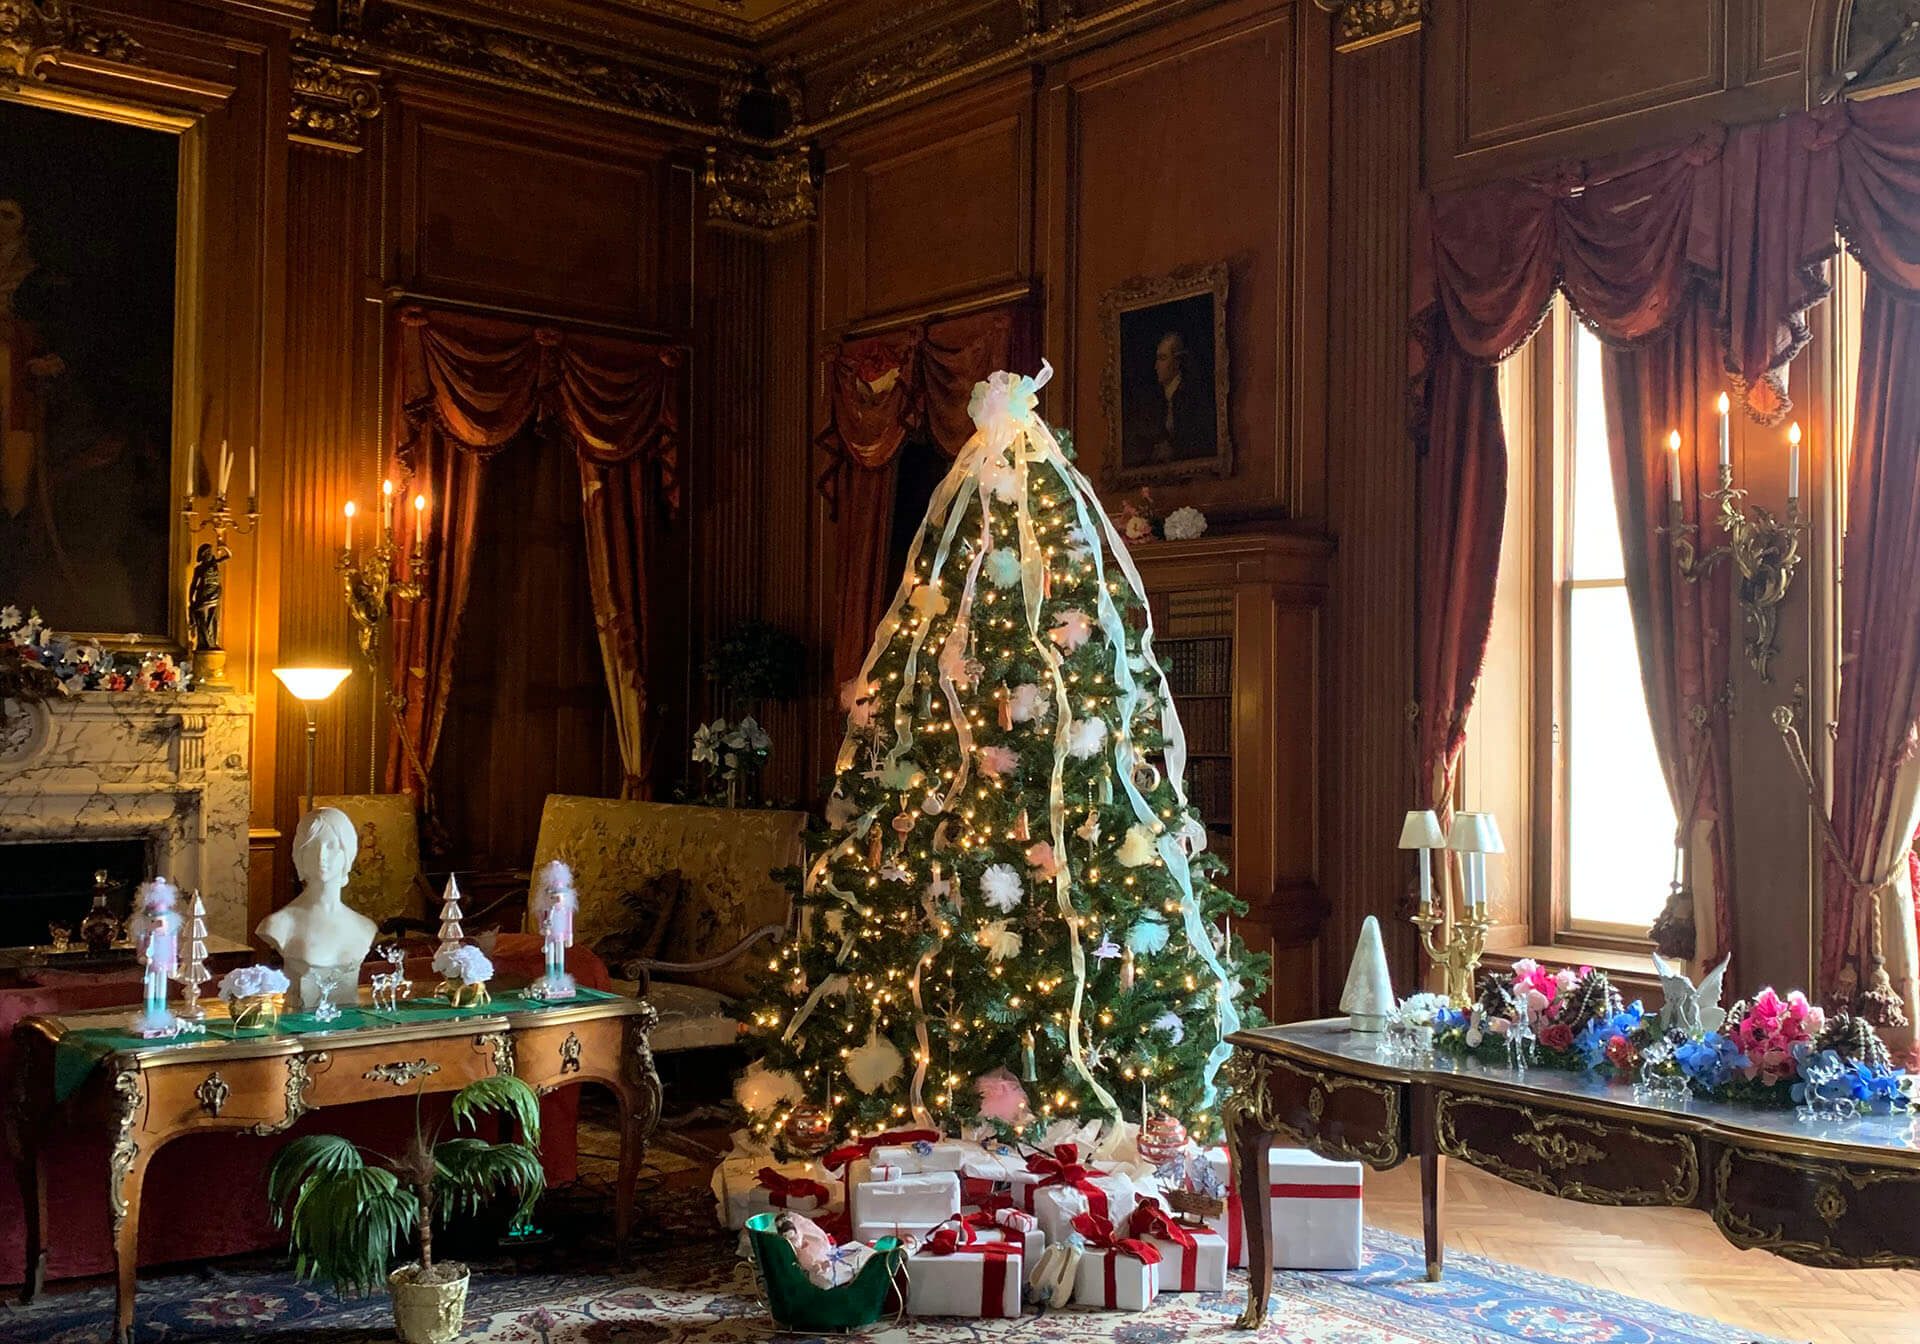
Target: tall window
[{"x": 1617, "y": 855}]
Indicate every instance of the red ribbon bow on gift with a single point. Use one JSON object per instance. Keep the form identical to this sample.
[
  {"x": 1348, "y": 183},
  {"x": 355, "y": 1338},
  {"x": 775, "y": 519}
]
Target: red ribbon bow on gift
[
  {"x": 958, "y": 1235},
  {"x": 781, "y": 1188},
  {"x": 1063, "y": 1167},
  {"x": 981, "y": 1193},
  {"x": 1150, "y": 1219},
  {"x": 860, "y": 1148},
  {"x": 1100, "y": 1236}
]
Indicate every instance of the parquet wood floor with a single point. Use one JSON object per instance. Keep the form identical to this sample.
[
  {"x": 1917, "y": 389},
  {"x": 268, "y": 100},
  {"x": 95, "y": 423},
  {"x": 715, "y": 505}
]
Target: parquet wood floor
[{"x": 1672, "y": 1256}]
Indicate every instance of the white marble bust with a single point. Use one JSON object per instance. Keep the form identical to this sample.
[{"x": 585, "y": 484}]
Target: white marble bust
[{"x": 316, "y": 930}]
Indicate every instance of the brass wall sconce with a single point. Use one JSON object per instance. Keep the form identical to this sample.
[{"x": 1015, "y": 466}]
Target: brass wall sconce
[
  {"x": 373, "y": 579},
  {"x": 1764, "y": 549}
]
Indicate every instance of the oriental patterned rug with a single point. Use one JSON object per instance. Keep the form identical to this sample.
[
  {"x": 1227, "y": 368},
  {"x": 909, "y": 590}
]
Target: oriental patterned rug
[{"x": 684, "y": 1284}]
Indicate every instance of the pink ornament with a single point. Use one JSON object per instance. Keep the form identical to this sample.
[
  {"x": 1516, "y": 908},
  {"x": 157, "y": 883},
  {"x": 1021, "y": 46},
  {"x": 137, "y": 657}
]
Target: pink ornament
[{"x": 1002, "y": 1098}]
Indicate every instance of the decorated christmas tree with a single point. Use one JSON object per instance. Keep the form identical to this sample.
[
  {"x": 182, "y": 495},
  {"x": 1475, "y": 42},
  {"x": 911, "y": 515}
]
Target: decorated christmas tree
[{"x": 1010, "y": 914}]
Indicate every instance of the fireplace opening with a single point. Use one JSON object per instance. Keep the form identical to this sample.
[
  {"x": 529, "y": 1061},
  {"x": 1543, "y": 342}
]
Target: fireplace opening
[{"x": 48, "y": 882}]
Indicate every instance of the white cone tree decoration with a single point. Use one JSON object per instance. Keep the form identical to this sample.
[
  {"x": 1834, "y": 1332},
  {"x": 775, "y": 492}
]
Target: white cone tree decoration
[
  {"x": 1368, "y": 997},
  {"x": 195, "y": 973},
  {"x": 451, "y": 934}
]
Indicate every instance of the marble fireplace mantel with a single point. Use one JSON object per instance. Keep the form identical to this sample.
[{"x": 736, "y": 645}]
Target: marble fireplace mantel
[{"x": 167, "y": 767}]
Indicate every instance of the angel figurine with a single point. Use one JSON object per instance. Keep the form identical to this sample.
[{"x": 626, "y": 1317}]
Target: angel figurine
[
  {"x": 1694, "y": 1010},
  {"x": 554, "y": 903}
]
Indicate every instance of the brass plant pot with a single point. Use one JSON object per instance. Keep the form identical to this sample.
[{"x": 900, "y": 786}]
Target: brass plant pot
[
  {"x": 257, "y": 1010},
  {"x": 428, "y": 1313}
]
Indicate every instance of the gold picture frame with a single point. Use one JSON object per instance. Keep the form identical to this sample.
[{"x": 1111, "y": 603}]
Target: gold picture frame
[
  {"x": 1166, "y": 382},
  {"x": 186, "y": 406}
]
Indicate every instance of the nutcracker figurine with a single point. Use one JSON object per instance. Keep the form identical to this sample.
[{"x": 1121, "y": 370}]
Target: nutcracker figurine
[
  {"x": 554, "y": 903},
  {"x": 155, "y": 929}
]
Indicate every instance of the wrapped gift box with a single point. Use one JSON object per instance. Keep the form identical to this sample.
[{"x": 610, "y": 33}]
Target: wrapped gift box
[
  {"x": 921, "y": 1200},
  {"x": 1115, "y": 1280},
  {"x": 995, "y": 1181},
  {"x": 1191, "y": 1260},
  {"x": 923, "y": 1156},
  {"x": 982, "y": 1280},
  {"x": 1056, "y": 1205},
  {"x": 745, "y": 1188},
  {"x": 1314, "y": 1219}
]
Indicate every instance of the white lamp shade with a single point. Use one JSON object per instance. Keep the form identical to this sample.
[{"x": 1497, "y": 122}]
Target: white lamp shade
[
  {"x": 1475, "y": 833},
  {"x": 1422, "y": 831},
  {"x": 311, "y": 683}
]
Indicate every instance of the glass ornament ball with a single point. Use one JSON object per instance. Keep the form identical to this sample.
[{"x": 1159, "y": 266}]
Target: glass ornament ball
[
  {"x": 809, "y": 1128},
  {"x": 1162, "y": 1139}
]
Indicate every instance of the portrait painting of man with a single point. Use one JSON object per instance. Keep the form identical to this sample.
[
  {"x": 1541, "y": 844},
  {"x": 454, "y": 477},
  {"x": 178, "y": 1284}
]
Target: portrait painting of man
[
  {"x": 1166, "y": 376},
  {"x": 87, "y": 228}
]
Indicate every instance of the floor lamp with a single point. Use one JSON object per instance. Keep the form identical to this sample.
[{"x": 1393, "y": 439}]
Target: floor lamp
[{"x": 310, "y": 685}]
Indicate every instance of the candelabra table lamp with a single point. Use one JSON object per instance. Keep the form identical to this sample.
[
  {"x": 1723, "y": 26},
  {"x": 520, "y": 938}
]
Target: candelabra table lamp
[
  {"x": 1456, "y": 943},
  {"x": 310, "y": 686}
]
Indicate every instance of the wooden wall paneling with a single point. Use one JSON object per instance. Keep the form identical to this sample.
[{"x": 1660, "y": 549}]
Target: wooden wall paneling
[
  {"x": 787, "y": 520},
  {"x": 518, "y": 205},
  {"x": 1514, "y": 83},
  {"x": 1174, "y": 147},
  {"x": 1369, "y": 776},
  {"x": 929, "y": 208},
  {"x": 332, "y": 452}
]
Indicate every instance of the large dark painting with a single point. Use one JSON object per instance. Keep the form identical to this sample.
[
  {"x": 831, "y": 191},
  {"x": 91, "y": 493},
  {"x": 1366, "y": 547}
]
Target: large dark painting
[
  {"x": 87, "y": 224},
  {"x": 1166, "y": 381}
]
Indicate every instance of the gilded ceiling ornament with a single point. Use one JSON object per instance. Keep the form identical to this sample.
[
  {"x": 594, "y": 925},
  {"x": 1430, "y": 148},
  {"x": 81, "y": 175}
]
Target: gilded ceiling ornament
[
  {"x": 761, "y": 193},
  {"x": 570, "y": 71},
  {"x": 911, "y": 63},
  {"x": 1361, "y": 23},
  {"x": 34, "y": 34},
  {"x": 332, "y": 102}
]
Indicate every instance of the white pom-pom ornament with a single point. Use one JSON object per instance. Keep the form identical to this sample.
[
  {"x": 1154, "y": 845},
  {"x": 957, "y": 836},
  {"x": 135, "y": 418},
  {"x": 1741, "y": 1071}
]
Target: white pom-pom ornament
[
  {"x": 875, "y": 1064},
  {"x": 1000, "y": 887}
]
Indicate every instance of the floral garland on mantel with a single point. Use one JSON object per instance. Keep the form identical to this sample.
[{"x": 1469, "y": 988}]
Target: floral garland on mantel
[
  {"x": 1770, "y": 1050},
  {"x": 35, "y": 662}
]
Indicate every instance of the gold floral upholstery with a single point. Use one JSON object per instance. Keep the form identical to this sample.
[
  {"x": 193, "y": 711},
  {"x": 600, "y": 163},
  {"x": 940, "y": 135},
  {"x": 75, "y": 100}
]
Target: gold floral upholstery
[
  {"x": 385, "y": 879},
  {"x": 727, "y": 856}
]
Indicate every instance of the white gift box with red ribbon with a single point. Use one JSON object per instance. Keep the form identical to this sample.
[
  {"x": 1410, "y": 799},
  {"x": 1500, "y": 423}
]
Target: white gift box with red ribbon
[
  {"x": 920, "y": 1200},
  {"x": 1102, "y": 1193},
  {"x": 949, "y": 1276},
  {"x": 1192, "y": 1260},
  {"x": 746, "y": 1188},
  {"x": 923, "y": 1156},
  {"x": 1314, "y": 1216},
  {"x": 1116, "y": 1271}
]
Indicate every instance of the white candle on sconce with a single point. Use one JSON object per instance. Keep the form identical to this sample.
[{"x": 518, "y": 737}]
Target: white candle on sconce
[
  {"x": 253, "y": 478},
  {"x": 1723, "y": 406},
  {"x": 386, "y": 507},
  {"x": 1673, "y": 466},
  {"x": 351, "y": 510},
  {"x": 1793, "y": 460},
  {"x": 419, "y": 520},
  {"x": 226, "y": 468}
]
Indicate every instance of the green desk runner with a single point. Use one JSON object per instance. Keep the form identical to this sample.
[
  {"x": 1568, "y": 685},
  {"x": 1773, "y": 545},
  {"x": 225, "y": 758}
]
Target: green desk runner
[{"x": 79, "y": 1051}]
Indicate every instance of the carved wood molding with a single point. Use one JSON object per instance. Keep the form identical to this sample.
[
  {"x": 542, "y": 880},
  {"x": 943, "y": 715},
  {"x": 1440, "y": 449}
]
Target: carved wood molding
[
  {"x": 333, "y": 101},
  {"x": 912, "y": 63},
  {"x": 763, "y": 193},
  {"x": 1361, "y": 23},
  {"x": 35, "y": 34}
]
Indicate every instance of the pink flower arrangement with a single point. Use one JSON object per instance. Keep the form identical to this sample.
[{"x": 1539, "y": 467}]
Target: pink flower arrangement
[
  {"x": 1771, "y": 1028},
  {"x": 1532, "y": 979}
]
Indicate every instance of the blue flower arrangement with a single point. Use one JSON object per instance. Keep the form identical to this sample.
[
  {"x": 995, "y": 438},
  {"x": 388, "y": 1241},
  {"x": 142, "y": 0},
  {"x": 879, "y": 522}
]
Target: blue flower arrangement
[
  {"x": 1874, "y": 1091},
  {"x": 1712, "y": 1062}
]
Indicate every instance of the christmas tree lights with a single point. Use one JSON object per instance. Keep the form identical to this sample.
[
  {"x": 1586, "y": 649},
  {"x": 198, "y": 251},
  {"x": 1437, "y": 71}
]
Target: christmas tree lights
[{"x": 1011, "y": 887}]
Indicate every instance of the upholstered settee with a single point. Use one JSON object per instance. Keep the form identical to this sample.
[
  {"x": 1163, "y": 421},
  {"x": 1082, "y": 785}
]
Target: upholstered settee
[
  {"x": 729, "y": 907},
  {"x": 178, "y": 1221}
]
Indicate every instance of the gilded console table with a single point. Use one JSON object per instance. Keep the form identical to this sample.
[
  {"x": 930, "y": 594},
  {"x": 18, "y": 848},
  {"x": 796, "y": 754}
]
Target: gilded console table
[
  {"x": 1837, "y": 1195},
  {"x": 148, "y": 1094}
]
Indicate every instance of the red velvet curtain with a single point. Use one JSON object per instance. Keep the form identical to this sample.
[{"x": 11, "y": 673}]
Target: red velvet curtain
[
  {"x": 880, "y": 390},
  {"x": 1680, "y": 627},
  {"x": 466, "y": 387},
  {"x": 1636, "y": 243}
]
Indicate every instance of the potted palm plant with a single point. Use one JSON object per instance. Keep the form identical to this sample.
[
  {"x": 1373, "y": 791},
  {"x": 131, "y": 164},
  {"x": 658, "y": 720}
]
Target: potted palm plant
[{"x": 349, "y": 1211}]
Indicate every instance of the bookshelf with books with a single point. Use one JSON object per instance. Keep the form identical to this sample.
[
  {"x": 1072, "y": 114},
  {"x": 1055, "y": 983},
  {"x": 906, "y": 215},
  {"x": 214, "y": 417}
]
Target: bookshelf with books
[{"x": 1236, "y": 625}]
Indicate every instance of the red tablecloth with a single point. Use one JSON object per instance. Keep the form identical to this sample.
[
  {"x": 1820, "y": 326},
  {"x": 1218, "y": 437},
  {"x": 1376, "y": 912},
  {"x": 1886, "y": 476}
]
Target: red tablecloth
[{"x": 178, "y": 1220}]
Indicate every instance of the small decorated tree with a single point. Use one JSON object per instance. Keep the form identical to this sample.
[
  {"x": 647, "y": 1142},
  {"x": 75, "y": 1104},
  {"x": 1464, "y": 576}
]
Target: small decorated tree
[
  {"x": 195, "y": 974},
  {"x": 451, "y": 934}
]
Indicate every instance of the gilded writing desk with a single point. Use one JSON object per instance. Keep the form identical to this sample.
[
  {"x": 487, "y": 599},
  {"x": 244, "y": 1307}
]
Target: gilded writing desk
[
  {"x": 1835, "y": 1194},
  {"x": 79, "y": 1070}
]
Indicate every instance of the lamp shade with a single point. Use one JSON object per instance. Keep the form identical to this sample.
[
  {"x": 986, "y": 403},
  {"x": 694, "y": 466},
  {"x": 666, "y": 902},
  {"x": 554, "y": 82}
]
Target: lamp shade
[
  {"x": 1422, "y": 831},
  {"x": 1475, "y": 833},
  {"x": 311, "y": 683}
]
